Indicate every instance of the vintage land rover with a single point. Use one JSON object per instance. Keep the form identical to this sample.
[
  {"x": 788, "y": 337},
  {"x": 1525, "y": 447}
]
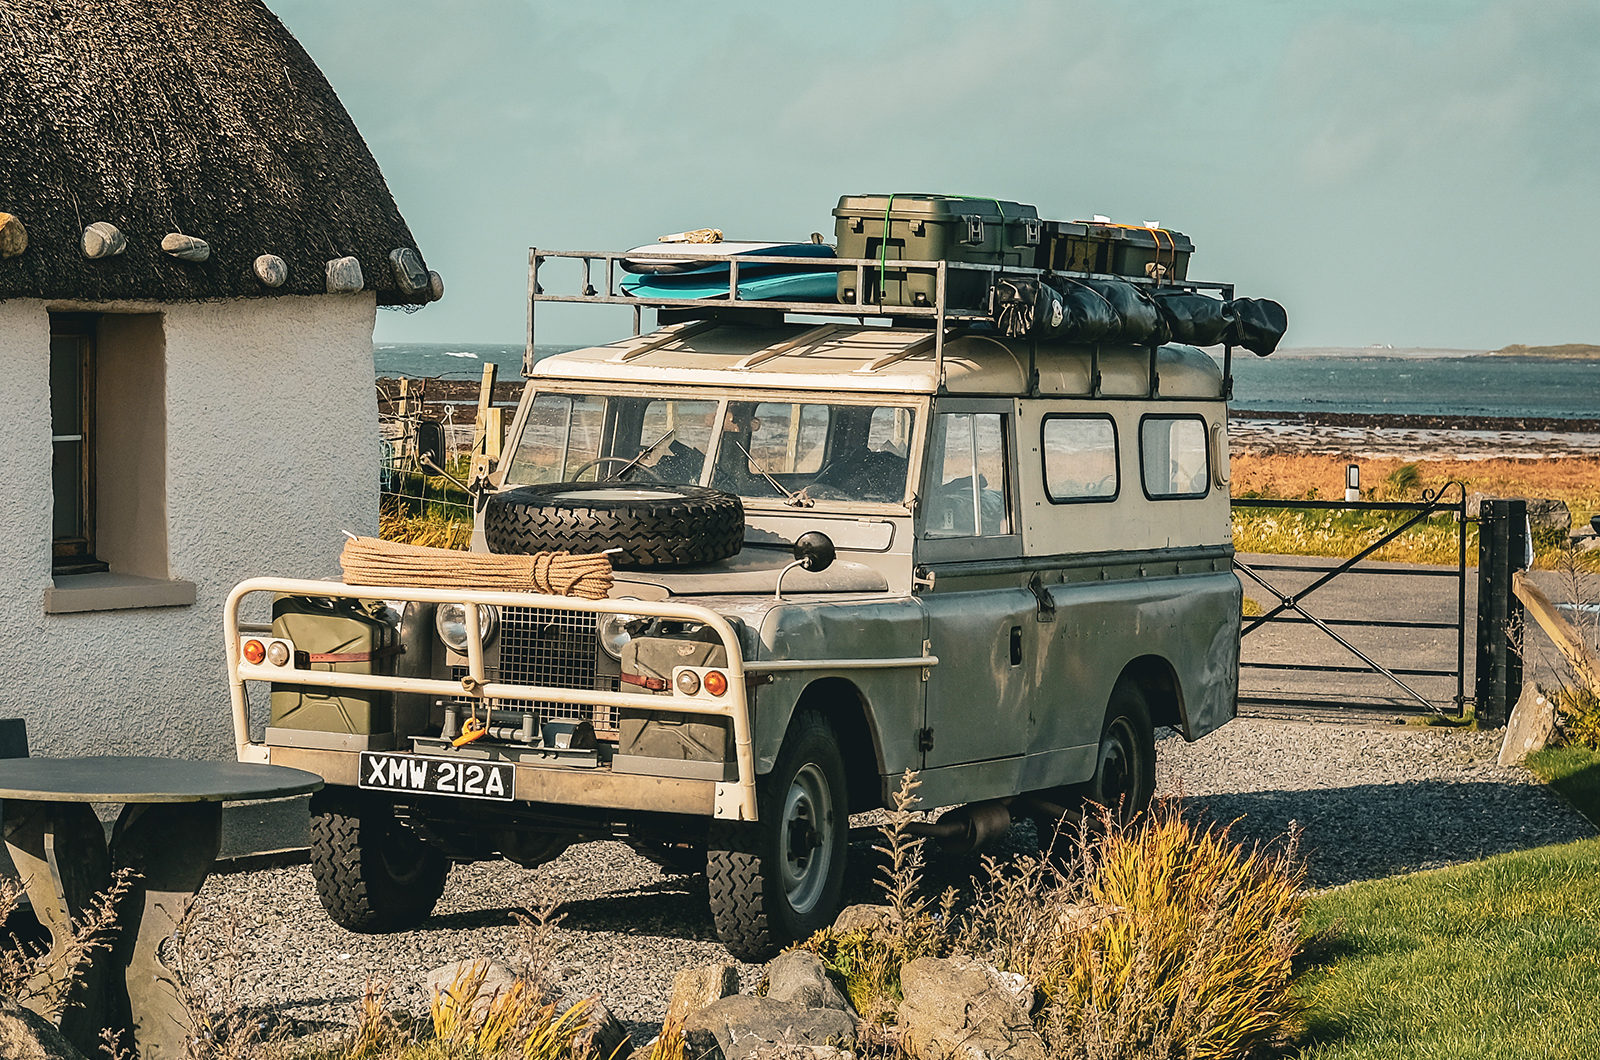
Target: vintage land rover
[{"x": 854, "y": 533}]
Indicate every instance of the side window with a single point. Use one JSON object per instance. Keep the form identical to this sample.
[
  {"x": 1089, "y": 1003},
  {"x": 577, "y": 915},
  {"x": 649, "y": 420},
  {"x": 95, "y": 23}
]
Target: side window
[
  {"x": 1080, "y": 458},
  {"x": 969, "y": 497},
  {"x": 1173, "y": 457}
]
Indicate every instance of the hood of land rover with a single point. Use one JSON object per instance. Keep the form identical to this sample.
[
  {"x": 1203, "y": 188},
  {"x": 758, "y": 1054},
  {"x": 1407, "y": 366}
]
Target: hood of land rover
[{"x": 753, "y": 571}]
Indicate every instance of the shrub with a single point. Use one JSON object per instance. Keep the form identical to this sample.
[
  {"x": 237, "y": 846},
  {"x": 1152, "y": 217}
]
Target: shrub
[{"x": 435, "y": 527}]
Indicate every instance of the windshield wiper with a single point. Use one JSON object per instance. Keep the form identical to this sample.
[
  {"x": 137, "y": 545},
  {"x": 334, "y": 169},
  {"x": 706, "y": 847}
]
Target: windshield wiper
[
  {"x": 646, "y": 451},
  {"x": 794, "y": 497}
]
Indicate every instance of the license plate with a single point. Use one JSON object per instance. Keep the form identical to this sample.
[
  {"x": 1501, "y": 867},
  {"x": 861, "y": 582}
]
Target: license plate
[{"x": 463, "y": 778}]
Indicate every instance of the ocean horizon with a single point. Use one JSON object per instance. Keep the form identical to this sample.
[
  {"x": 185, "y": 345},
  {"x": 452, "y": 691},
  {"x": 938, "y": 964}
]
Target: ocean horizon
[{"x": 1421, "y": 381}]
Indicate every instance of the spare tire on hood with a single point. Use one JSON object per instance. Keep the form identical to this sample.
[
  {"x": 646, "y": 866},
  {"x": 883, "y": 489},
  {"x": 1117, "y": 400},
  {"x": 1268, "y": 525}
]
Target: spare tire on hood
[{"x": 653, "y": 526}]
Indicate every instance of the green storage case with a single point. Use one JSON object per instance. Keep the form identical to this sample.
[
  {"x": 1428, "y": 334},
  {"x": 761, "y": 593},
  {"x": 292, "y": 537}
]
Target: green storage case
[
  {"x": 931, "y": 228},
  {"x": 323, "y": 627},
  {"x": 1118, "y": 250},
  {"x": 667, "y": 743}
]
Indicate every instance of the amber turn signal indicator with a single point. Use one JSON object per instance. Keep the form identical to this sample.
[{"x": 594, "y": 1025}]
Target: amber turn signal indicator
[
  {"x": 715, "y": 682},
  {"x": 254, "y": 652}
]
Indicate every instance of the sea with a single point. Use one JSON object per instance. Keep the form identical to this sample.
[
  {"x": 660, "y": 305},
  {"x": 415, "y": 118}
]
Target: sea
[{"x": 1428, "y": 382}]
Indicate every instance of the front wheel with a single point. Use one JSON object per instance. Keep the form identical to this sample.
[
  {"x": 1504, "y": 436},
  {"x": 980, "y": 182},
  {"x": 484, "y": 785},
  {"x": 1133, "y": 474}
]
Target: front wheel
[
  {"x": 373, "y": 874},
  {"x": 779, "y": 879}
]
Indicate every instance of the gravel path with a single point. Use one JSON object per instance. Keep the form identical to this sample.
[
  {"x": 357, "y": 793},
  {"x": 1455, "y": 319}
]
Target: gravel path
[{"x": 1374, "y": 801}]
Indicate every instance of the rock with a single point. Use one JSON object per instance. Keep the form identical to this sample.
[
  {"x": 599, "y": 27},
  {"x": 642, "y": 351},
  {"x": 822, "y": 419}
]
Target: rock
[
  {"x": 958, "y": 1009},
  {"x": 497, "y": 978},
  {"x": 344, "y": 276},
  {"x": 435, "y": 287},
  {"x": 695, "y": 988},
  {"x": 409, "y": 275},
  {"x": 186, "y": 248},
  {"x": 103, "y": 240},
  {"x": 26, "y": 1035},
  {"x": 799, "y": 976},
  {"x": 13, "y": 236},
  {"x": 1533, "y": 722},
  {"x": 602, "y": 1030},
  {"x": 1542, "y": 511},
  {"x": 863, "y": 918},
  {"x": 271, "y": 270},
  {"x": 743, "y": 1026}
]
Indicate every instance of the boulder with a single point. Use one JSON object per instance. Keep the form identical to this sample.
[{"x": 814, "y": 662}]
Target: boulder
[
  {"x": 960, "y": 1009},
  {"x": 13, "y": 236},
  {"x": 344, "y": 276},
  {"x": 863, "y": 918},
  {"x": 799, "y": 976},
  {"x": 744, "y": 1026},
  {"x": 103, "y": 240},
  {"x": 1542, "y": 511},
  {"x": 695, "y": 988},
  {"x": 26, "y": 1035},
  {"x": 271, "y": 270},
  {"x": 602, "y": 1032},
  {"x": 1533, "y": 722},
  {"x": 409, "y": 275}
]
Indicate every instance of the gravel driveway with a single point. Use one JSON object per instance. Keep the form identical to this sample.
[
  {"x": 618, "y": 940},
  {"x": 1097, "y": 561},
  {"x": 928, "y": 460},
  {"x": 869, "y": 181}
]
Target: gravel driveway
[{"x": 1374, "y": 801}]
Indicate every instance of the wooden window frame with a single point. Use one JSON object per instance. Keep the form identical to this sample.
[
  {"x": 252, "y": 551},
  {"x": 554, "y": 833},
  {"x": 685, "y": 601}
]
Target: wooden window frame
[{"x": 75, "y": 553}]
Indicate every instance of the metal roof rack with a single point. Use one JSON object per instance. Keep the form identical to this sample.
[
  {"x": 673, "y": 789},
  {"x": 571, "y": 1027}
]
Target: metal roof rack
[{"x": 940, "y": 315}]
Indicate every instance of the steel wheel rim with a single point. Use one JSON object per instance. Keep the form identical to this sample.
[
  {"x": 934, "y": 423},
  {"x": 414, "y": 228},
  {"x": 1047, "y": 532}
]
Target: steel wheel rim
[
  {"x": 1119, "y": 770},
  {"x": 806, "y": 838}
]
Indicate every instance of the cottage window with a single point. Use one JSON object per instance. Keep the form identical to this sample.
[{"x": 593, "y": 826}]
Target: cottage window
[
  {"x": 72, "y": 407},
  {"x": 108, "y": 430}
]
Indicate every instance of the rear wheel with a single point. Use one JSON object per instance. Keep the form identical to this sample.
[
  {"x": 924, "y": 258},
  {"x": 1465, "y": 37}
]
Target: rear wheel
[
  {"x": 1124, "y": 779},
  {"x": 373, "y": 874},
  {"x": 779, "y": 879}
]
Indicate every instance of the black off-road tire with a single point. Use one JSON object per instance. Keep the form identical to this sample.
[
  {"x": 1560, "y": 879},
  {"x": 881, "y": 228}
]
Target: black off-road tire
[
  {"x": 373, "y": 874},
  {"x": 758, "y": 902},
  {"x": 1124, "y": 778},
  {"x": 656, "y": 526}
]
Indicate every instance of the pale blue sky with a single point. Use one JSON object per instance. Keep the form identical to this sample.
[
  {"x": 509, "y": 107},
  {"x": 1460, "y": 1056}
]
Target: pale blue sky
[{"x": 1422, "y": 173}]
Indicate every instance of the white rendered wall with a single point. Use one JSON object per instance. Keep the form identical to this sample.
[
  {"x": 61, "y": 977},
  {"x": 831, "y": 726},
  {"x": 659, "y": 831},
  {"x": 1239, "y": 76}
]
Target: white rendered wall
[{"x": 272, "y": 450}]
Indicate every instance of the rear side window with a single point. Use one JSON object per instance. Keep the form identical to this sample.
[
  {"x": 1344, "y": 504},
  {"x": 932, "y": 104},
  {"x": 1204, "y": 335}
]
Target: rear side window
[
  {"x": 1174, "y": 459},
  {"x": 1080, "y": 458}
]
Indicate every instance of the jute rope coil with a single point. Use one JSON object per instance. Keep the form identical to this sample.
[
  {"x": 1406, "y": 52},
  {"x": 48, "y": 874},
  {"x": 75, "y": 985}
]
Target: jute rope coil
[{"x": 370, "y": 561}]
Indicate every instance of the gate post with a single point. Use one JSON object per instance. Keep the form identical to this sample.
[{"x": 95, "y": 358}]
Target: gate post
[{"x": 1502, "y": 551}]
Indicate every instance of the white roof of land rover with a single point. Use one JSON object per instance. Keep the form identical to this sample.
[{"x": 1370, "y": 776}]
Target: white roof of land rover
[{"x": 851, "y": 357}]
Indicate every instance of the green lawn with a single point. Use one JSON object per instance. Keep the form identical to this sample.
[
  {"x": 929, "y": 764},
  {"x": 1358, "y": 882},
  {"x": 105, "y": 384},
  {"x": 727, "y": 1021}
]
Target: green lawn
[
  {"x": 1574, "y": 774},
  {"x": 1499, "y": 958}
]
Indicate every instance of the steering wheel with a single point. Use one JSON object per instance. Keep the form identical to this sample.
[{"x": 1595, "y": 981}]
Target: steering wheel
[{"x": 603, "y": 460}]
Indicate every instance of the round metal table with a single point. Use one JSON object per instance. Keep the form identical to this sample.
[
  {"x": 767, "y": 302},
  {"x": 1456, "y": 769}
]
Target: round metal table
[{"x": 168, "y": 832}]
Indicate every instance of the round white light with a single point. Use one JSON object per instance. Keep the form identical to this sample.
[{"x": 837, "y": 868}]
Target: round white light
[
  {"x": 451, "y": 622},
  {"x": 278, "y": 653},
  {"x": 614, "y": 632}
]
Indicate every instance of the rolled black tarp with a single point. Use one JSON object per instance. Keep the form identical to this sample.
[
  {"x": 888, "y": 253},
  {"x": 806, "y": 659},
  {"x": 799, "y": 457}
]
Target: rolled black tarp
[
  {"x": 1142, "y": 324},
  {"x": 1194, "y": 318},
  {"x": 1258, "y": 325},
  {"x": 1025, "y": 307}
]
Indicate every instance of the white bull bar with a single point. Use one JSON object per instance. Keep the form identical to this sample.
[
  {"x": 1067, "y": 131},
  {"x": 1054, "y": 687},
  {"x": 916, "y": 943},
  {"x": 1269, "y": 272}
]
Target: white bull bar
[{"x": 733, "y": 802}]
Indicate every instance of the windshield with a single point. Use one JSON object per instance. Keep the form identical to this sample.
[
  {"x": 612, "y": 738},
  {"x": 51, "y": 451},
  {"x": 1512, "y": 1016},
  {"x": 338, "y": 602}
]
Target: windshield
[{"x": 795, "y": 452}]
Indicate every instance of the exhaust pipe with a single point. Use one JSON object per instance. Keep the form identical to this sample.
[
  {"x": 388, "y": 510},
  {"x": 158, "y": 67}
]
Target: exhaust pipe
[{"x": 966, "y": 828}]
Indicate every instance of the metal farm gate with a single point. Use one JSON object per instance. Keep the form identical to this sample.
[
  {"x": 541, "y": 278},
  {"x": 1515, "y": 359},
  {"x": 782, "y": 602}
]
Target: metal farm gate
[{"x": 1297, "y": 638}]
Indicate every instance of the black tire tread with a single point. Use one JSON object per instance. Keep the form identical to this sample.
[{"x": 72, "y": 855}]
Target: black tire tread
[
  {"x": 688, "y": 526},
  {"x": 349, "y": 874},
  {"x": 745, "y": 903}
]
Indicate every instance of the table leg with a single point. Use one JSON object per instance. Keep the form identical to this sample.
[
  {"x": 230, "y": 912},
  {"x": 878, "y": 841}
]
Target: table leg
[
  {"x": 172, "y": 845},
  {"x": 59, "y": 849}
]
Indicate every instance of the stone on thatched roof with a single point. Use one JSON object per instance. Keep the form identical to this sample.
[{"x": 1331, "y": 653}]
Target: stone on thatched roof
[{"x": 199, "y": 117}]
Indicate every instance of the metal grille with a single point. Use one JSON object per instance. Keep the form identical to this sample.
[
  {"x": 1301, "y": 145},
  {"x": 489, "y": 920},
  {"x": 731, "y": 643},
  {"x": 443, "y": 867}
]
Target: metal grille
[{"x": 540, "y": 646}]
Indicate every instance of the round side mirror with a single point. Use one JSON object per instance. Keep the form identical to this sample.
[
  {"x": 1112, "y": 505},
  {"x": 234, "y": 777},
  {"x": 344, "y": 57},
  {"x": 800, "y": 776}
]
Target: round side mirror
[{"x": 814, "y": 550}]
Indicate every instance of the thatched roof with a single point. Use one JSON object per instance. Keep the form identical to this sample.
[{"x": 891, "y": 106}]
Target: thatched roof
[{"x": 203, "y": 117}]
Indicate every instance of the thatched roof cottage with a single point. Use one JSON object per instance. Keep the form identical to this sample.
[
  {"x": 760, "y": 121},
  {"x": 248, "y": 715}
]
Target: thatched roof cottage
[{"x": 193, "y": 242}]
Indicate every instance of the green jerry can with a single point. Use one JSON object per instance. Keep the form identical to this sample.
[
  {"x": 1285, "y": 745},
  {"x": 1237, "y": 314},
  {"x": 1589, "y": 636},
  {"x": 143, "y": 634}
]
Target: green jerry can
[
  {"x": 667, "y": 743},
  {"x": 888, "y": 228},
  {"x": 344, "y": 636}
]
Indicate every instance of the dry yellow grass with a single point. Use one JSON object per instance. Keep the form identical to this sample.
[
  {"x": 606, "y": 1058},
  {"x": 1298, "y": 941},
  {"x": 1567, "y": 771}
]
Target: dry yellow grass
[{"x": 1575, "y": 480}]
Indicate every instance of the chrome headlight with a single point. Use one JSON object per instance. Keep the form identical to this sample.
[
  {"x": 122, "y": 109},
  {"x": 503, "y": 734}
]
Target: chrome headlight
[
  {"x": 614, "y": 632},
  {"x": 451, "y": 622}
]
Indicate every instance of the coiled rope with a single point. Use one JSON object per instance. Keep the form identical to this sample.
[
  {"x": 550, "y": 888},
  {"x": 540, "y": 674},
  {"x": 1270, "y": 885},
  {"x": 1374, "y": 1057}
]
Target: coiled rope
[{"x": 370, "y": 561}]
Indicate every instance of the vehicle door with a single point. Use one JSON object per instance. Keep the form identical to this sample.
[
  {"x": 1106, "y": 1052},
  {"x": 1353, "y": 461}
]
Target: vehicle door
[{"x": 979, "y": 618}]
